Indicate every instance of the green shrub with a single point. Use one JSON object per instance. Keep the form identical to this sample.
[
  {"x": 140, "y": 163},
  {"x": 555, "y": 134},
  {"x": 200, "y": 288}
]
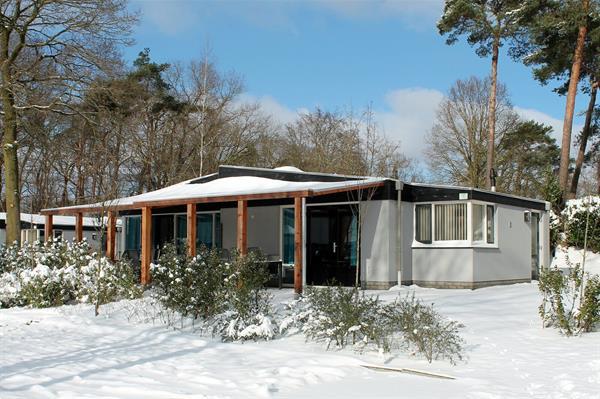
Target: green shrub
[
  {"x": 347, "y": 317},
  {"x": 588, "y": 317},
  {"x": 340, "y": 316},
  {"x": 563, "y": 306},
  {"x": 425, "y": 330},
  {"x": 229, "y": 299},
  {"x": 190, "y": 286}
]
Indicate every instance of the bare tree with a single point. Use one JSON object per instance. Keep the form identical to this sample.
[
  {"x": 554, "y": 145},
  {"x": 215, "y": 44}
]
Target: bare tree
[
  {"x": 58, "y": 43},
  {"x": 457, "y": 144}
]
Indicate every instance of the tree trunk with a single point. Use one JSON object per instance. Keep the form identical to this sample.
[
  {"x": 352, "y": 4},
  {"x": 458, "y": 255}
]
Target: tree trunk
[
  {"x": 492, "y": 114},
  {"x": 583, "y": 141},
  {"x": 563, "y": 174},
  {"x": 11, "y": 169},
  {"x": 9, "y": 149}
]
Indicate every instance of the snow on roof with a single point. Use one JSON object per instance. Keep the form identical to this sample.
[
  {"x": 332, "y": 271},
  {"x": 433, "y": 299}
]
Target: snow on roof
[
  {"x": 289, "y": 169},
  {"x": 56, "y": 220},
  {"x": 228, "y": 187}
]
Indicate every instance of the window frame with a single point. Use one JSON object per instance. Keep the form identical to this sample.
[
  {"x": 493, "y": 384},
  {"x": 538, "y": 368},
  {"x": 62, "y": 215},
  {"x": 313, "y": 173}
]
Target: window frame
[{"x": 469, "y": 242}]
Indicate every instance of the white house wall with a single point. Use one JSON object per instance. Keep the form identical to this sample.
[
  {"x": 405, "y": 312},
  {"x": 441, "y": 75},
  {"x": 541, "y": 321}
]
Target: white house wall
[
  {"x": 473, "y": 267},
  {"x": 406, "y": 218},
  {"x": 511, "y": 261},
  {"x": 545, "y": 256},
  {"x": 378, "y": 244},
  {"x": 442, "y": 267}
]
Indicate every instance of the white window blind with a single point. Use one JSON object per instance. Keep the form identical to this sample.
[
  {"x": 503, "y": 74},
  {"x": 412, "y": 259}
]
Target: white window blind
[{"x": 451, "y": 222}]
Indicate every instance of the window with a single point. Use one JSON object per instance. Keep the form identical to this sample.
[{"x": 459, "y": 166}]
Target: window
[
  {"x": 204, "y": 230},
  {"x": 133, "y": 232},
  {"x": 423, "y": 223},
  {"x": 181, "y": 233},
  {"x": 288, "y": 235},
  {"x": 461, "y": 223},
  {"x": 490, "y": 224},
  {"x": 451, "y": 222},
  {"x": 478, "y": 222},
  {"x": 58, "y": 235}
]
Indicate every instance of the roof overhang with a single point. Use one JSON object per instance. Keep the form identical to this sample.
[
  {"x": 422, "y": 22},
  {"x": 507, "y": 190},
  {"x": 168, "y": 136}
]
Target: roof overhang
[{"x": 114, "y": 205}]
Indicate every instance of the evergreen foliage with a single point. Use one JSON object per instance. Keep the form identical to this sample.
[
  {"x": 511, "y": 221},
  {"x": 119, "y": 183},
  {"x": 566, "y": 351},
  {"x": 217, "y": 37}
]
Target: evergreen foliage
[
  {"x": 564, "y": 305},
  {"x": 57, "y": 273},
  {"x": 345, "y": 317}
]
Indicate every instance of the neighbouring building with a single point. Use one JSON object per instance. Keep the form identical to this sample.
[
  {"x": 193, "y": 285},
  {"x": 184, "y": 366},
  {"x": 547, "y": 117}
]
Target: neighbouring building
[{"x": 64, "y": 228}]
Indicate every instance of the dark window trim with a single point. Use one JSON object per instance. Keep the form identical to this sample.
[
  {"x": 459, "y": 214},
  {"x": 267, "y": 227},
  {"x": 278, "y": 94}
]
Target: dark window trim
[{"x": 413, "y": 193}]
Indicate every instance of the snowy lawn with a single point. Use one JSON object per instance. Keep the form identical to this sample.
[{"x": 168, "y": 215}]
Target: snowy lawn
[{"x": 68, "y": 353}]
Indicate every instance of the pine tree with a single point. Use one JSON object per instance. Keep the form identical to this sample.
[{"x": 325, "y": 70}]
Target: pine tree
[
  {"x": 487, "y": 24},
  {"x": 562, "y": 42}
]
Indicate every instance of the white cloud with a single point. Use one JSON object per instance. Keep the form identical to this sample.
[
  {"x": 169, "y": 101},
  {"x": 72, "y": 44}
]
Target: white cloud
[
  {"x": 541, "y": 117},
  {"x": 415, "y": 13},
  {"x": 173, "y": 17},
  {"x": 409, "y": 117},
  {"x": 279, "y": 112},
  {"x": 170, "y": 17}
]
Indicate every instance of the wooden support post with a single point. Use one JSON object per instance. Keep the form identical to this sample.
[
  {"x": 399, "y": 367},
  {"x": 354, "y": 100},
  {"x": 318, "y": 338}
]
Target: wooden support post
[
  {"x": 146, "y": 244},
  {"x": 191, "y": 229},
  {"x": 242, "y": 227},
  {"x": 298, "y": 245},
  {"x": 48, "y": 229},
  {"x": 79, "y": 227},
  {"x": 111, "y": 235}
]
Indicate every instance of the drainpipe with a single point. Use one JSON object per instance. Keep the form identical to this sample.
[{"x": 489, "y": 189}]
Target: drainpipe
[
  {"x": 493, "y": 179},
  {"x": 399, "y": 186}
]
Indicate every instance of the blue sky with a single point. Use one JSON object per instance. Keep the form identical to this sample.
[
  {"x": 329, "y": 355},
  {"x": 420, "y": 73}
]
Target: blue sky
[{"x": 297, "y": 55}]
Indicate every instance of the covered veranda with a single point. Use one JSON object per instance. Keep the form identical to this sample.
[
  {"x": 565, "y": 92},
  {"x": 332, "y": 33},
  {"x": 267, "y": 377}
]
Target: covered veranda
[{"x": 199, "y": 194}]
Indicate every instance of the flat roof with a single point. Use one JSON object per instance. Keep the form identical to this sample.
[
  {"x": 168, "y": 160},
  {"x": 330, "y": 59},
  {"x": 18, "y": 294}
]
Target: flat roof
[{"x": 232, "y": 183}]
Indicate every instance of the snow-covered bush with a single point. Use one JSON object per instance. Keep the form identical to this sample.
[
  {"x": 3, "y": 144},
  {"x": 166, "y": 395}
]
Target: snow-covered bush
[
  {"x": 575, "y": 216},
  {"x": 424, "y": 330},
  {"x": 190, "y": 286},
  {"x": 347, "y": 317},
  {"x": 249, "y": 314},
  {"x": 52, "y": 274},
  {"x": 228, "y": 299},
  {"x": 101, "y": 281},
  {"x": 341, "y": 317},
  {"x": 564, "y": 305}
]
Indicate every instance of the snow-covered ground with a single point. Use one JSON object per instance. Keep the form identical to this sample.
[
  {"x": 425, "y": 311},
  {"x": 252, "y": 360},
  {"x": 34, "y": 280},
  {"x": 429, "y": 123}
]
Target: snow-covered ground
[
  {"x": 574, "y": 255},
  {"x": 68, "y": 353}
]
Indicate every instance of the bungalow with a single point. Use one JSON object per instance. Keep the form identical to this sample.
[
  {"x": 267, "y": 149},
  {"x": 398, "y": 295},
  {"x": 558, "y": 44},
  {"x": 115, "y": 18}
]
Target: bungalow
[{"x": 322, "y": 227}]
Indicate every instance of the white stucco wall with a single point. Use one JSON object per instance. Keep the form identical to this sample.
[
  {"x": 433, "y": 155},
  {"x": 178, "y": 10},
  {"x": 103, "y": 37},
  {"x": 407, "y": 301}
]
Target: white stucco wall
[
  {"x": 378, "y": 242},
  {"x": 508, "y": 260},
  {"x": 407, "y": 210},
  {"x": 512, "y": 259},
  {"x": 442, "y": 264}
]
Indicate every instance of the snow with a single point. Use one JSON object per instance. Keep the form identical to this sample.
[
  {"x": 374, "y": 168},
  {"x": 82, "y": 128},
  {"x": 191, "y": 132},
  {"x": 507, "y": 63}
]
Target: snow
[
  {"x": 228, "y": 186},
  {"x": 288, "y": 169},
  {"x": 68, "y": 353},
  {"x": 592, "y": 260}
]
